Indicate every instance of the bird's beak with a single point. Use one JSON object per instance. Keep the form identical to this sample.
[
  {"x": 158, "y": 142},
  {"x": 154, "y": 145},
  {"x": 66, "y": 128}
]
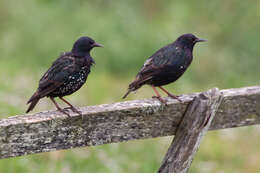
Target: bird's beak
[
  {"x": 97, "y": 45},
  {"x": 200, "y": 40}
]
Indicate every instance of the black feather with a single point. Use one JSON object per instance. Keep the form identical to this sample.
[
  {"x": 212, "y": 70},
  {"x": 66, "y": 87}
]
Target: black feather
[
  {"x": 67, "y": 74},
  {"x": 167, "y": 64}
]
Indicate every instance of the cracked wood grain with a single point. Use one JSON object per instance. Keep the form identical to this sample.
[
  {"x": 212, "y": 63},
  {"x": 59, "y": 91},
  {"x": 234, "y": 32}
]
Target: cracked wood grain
[
  {"x": 118, "y": 122},
  {"x": 195, "y": 123}
]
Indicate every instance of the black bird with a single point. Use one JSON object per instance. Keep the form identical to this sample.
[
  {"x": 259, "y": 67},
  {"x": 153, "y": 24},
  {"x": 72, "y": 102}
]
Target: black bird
[
  {"x": 166, "y": 65},
  {"x": 66, "y": 75}
]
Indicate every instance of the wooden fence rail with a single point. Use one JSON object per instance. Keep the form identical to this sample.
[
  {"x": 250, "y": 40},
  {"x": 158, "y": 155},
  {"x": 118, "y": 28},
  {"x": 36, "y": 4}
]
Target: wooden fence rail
[{"x": 118, "y": 122}]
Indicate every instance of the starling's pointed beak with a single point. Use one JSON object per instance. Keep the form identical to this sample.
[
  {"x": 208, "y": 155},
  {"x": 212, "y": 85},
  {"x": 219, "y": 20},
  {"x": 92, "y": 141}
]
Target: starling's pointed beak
[
  {"x": 97, "y": 45},
  {"x": 200, "y": 40}
]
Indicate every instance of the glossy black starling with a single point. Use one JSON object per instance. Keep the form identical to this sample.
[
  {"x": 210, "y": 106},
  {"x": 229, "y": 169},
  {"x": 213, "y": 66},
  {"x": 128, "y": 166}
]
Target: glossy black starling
[
  {"x": 166, "y": 65},
  {"x": 66, "y": 75}
]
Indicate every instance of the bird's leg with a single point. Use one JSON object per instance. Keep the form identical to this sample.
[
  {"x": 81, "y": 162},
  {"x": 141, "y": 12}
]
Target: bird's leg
[
  {"x": 58, "y": 107},
  {"x": 170, "y": 95},
  {"x": 158, "y": 96},
  {"x": 71, "y": 106}
]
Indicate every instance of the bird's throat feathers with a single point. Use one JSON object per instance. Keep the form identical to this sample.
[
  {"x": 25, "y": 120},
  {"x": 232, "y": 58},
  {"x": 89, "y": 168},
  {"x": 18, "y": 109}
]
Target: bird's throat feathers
[
  {"x": 78, "y": 53},
  {"x": 86, "y": 59},
  {"x": 90, "y": 60},
  {"x": 184, "y": 46}
]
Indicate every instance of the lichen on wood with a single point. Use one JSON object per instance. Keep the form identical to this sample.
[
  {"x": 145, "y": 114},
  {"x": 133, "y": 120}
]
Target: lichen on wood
[{"x": 118, "y": 122}]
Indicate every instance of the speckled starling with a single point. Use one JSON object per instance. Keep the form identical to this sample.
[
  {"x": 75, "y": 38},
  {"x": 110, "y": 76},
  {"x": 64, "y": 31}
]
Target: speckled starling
[
  {"x": 66, "y": 75},
  {"x": 166, "y": 66}
]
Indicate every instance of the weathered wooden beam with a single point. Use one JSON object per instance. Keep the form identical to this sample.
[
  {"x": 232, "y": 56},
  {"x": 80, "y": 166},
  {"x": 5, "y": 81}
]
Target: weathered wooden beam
[
  {"x": 195, "y": 123},
  {"x": 118, "y": 122}
]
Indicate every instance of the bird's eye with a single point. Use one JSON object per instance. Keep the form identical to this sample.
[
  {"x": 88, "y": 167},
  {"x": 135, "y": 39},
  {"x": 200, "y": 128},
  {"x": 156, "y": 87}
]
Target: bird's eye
[{"x": 91, "y": 42}]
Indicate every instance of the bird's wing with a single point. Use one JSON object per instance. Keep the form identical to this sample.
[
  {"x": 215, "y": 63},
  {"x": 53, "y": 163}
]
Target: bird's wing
[
  {"x": 56, "y": 75},
  {"x": 155, "y": 64}
]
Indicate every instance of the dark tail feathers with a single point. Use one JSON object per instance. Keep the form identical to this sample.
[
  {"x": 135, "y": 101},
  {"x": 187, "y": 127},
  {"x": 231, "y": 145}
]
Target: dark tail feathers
[
  {"x": 128, "y": 92},
  {"x": 33, "y": 100},
  {"x": 132, "y": 87}
]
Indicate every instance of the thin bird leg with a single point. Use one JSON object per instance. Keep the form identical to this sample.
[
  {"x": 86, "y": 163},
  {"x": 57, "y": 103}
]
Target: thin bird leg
[
  {"x": 71, "y": 106},
  {"x": 58, "y": 107},
  {"x": 170, "y": 95},
  {"x": 158, "y": 96}
]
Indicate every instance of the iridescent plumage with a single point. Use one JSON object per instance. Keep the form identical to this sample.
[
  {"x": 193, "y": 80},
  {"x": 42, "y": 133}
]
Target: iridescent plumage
[
  {"x": 66, "y": 75},
  {"x": 166, "y": 65}
]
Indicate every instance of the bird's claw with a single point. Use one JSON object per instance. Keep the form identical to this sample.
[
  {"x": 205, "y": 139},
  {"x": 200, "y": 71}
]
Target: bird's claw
[
  {"x": 66, "y": 112},
  {"x": 74, "y": 110},
  {"x": 175, "y": 97},
  {"x": 160, "y": 99}
]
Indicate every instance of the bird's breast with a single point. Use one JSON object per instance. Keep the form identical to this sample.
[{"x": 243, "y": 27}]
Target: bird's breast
[{"x": 73, "y": 83}]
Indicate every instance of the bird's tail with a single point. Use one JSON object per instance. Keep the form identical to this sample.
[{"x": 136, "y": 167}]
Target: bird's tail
[
  {"x": 132, "y": 87},
  {"x": 33, "y": 101},
  {"x": 128, "y": 92}
]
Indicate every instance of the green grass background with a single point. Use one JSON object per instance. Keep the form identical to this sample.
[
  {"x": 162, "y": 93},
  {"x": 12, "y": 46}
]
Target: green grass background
[{"x": 34, "y": 32}]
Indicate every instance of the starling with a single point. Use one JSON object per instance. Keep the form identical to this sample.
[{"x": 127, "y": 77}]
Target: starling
[
  {"x": 166, "y": 66},
  {"x": 66, "y": 75}
]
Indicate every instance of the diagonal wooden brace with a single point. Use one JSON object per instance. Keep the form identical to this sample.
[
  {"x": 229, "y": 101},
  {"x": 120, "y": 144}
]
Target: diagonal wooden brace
[{"x": 194, "y": 125}]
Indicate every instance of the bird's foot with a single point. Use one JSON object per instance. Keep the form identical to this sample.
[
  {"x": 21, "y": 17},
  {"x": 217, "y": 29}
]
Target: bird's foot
[
  {"x": 175, "y": 97},
  {"x": 74, "y": 110},
  {"x": 160, "y": 99},
  {"x": 65, "y": 112}
]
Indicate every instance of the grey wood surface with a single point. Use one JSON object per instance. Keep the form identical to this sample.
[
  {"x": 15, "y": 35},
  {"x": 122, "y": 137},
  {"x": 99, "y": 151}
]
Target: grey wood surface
[
  {"x": 195, "y": 123},
  {"x": 118, "y": 122}
]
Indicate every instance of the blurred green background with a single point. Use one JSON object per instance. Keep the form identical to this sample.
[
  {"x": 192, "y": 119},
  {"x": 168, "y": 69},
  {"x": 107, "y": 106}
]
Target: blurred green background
[{"x": 33, "y": 33}]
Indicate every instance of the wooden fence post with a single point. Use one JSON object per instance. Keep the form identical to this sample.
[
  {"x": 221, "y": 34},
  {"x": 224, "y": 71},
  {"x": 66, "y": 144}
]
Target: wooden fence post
[{"x": 195, "y": 123}]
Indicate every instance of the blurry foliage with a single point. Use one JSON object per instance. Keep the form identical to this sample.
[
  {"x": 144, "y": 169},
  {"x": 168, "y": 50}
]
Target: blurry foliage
[{"x": 33, "y": 33}]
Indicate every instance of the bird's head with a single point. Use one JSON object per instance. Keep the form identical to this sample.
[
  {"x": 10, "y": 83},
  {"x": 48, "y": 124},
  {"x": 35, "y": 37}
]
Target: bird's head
[
  {"x": 84, "y": 45},
  {"x": 189, "y": 40}
]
